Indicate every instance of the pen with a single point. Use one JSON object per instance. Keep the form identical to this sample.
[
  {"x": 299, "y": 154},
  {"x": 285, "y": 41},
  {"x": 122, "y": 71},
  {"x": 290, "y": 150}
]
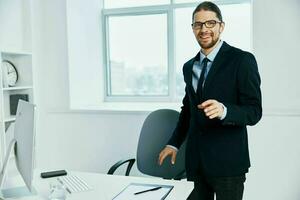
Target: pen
[{"x": 153, "y": 189}]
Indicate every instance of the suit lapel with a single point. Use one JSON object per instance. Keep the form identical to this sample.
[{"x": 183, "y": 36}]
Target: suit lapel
[
  {"x": 190, "y": 73},
  {"x": 217, "y": 63}
]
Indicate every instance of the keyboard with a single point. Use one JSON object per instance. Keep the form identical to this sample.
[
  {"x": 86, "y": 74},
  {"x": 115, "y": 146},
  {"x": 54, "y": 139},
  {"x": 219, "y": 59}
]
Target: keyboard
[{"x": 73, "y": 184}]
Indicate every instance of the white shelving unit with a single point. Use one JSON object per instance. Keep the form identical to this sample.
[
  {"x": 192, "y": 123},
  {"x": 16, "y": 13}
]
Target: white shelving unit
[{"x": 16, "y": 47}]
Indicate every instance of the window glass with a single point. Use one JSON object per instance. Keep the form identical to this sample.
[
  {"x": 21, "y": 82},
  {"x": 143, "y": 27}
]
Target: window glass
[{"x": 138, "y": 55}]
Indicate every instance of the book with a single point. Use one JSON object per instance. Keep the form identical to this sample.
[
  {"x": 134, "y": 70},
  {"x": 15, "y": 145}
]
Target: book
[{"x": 14, "y": 100}]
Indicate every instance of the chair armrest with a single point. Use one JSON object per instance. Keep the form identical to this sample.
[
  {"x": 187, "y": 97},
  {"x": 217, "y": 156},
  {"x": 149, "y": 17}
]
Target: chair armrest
[{"x": 121, "y": 162}]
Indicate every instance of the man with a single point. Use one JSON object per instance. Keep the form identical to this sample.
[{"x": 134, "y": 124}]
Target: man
[{"x": 222, "y": 97}]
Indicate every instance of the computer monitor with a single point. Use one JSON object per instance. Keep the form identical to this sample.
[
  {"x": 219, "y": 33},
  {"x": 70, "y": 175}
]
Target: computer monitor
[{"x": 23, "y": 146}]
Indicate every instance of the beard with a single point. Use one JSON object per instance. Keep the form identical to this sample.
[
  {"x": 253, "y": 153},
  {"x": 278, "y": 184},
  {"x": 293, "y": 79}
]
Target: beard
[{"x": 208, "y": 45}]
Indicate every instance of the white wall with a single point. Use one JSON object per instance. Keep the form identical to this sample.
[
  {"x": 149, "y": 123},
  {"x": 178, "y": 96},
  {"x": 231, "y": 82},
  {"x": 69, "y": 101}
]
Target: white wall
[
  {"x": 85, "y": 55},
  {"x": 83, "y": 141},
  {"x": 93, "y": 141},
  {"x": 276, "y": 45},
  {"x": 275, "y": 172},
  {"x": 15, "y": 25}
]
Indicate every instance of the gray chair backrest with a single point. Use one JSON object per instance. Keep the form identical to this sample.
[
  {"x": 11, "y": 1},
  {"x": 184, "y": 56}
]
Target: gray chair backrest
[{"x": 157, "y": 129}]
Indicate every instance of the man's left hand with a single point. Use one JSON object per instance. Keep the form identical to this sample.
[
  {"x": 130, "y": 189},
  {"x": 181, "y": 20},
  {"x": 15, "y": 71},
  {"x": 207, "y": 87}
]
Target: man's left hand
[{"x": 212, "y": 108}]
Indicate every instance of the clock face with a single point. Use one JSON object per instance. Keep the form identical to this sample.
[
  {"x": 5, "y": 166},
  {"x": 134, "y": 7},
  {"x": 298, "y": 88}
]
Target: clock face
[{"x": 11, "y": 73}]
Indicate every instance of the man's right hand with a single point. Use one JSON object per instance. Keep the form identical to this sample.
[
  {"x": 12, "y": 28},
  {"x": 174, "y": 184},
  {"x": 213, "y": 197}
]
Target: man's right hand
[{"x": 167, "y": 151}]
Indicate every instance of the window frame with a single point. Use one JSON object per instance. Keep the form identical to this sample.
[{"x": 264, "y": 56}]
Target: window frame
[{"x": 169, "y": 10}]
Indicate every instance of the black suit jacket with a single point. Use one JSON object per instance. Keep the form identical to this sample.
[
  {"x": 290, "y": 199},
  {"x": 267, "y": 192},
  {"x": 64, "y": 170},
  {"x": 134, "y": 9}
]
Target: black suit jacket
[{"x": 220, "y": 147}]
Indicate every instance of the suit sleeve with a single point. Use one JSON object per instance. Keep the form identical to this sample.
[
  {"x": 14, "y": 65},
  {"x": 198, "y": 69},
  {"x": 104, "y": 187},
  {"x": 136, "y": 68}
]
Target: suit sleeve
[
  {"x": 182, "y": 126},
  {"x": 248, "y": 109}
]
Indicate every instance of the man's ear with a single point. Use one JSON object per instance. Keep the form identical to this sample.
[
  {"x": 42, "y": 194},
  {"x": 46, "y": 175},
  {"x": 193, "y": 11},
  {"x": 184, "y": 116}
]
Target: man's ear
[{"x": 222, "y": 26}]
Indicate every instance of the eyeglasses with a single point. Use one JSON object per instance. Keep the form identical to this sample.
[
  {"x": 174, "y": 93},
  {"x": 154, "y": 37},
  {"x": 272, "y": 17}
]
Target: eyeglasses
[{"x": 208, "y": 24}]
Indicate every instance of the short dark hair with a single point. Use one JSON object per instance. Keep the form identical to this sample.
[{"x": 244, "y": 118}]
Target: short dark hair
[{"x": 207, "y": 5}]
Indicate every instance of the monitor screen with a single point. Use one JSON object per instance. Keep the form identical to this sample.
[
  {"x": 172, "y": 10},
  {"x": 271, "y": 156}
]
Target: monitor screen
[
  {"x": 24, "y": 136},
  {"x": 23, "y": 144}
]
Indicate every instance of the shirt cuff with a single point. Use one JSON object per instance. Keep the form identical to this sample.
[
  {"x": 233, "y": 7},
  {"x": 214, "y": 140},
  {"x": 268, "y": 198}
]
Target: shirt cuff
[
  {"x": 172, "y": 147},
  {"x": 224, "y": 112}
]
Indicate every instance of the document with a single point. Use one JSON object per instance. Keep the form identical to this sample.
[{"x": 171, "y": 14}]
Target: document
[{"x": 139, "y": 191}]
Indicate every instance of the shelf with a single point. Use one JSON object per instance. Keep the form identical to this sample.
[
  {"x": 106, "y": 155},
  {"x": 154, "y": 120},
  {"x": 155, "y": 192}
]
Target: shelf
[
  {"x": 10, "y": 119},
  {"x": 17, "y": 88},
  {"x": 13, "y": 53},
  {"x": 16, "y": 47}
]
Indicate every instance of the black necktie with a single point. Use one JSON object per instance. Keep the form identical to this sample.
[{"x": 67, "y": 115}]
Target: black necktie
[{"x": 202, "y": 77}]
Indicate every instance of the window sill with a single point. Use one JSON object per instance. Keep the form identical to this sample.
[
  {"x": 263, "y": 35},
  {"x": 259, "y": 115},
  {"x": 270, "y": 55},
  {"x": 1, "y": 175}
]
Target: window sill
[{"x": 124, "y": 107}]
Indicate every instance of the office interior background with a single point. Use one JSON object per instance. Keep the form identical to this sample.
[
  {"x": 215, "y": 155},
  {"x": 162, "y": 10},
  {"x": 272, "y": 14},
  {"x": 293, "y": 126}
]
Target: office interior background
[{"x": 77, "y": 129}]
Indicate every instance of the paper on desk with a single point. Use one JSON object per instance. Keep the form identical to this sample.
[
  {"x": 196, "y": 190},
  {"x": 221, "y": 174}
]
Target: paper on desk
[{"x": 128, "y": 192}]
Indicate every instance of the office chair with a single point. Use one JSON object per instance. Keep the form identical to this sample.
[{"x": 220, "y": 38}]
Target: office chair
[{"x": 157, "y": 129}]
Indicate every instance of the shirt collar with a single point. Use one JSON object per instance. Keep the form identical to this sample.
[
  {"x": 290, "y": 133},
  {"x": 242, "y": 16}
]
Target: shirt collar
[{"x": 211, "y": 56}]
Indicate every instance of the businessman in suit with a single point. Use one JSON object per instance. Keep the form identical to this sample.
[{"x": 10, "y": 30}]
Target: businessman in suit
[{"x": 222, "y": 97}]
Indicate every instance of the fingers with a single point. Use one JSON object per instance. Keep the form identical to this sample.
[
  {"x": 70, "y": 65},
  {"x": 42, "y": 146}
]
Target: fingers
[
  {"x": 173, "y": 158},
  {"x": 165, "y": 153},
  {"x": 206, "y": 103},
  {"x": 211, "y": 108},
  {"x": 162, "y": 157},
  {"x": 215, "y": 113},
  {"x": 212, "y": 113}
]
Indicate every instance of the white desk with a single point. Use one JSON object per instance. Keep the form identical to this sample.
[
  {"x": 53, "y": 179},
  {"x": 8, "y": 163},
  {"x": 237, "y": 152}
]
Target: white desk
[{"x": 106, "y": 187}]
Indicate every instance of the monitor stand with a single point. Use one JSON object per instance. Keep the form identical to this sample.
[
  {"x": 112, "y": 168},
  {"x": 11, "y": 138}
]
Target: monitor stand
[{"x": 15, "y": 192}]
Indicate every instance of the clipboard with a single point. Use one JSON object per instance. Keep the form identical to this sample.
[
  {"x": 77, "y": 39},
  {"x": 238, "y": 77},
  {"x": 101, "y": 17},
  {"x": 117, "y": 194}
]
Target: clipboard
[{"x": 128, "y": 192}]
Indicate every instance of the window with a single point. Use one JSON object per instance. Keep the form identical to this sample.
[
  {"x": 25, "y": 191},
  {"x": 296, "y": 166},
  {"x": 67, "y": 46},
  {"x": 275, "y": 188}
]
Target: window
[
  {"x": 146, "y": 46},
  {"x": 132, "y": 3},
  {"x": 138, "y": 55}
]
